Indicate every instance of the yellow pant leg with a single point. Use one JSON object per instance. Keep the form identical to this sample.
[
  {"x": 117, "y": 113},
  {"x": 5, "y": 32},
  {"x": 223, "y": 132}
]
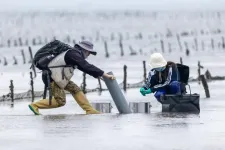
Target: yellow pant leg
[
  {"x": 58, "y": 100},
  {"x": 80, "y": 98}
]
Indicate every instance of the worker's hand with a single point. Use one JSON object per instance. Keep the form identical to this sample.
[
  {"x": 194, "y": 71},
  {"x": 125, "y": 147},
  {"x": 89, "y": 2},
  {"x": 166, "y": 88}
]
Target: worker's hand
[
  {"x": 148, "y": 91},
  {"x": 142, "y": 91},
  {"x": 112, "y": 77}
]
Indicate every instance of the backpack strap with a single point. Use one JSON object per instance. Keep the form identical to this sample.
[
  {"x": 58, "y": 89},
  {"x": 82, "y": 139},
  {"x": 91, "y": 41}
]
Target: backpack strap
[{"x": 48, "y": 86}]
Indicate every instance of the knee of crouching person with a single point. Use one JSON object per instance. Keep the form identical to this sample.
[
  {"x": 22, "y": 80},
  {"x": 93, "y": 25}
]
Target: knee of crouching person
[{"x": 61, "y": 102}]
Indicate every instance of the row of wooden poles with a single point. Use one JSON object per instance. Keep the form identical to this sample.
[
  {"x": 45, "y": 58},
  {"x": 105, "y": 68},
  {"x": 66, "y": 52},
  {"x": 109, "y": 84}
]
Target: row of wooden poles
[
  {"x": 132, "y": 51},
  {"x": 40, "y": 41},
  {"x": 201, "y": 79},
  {"x": 162, "y": 43},
  {"x": 113, "y": 37},
  {"x": 11, "y": 87},
  {"x": 5, "y": 62}
]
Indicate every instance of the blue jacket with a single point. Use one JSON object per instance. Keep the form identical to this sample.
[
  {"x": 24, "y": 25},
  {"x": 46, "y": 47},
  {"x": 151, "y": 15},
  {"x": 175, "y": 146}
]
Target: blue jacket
[{"x": 158, "y": 80}]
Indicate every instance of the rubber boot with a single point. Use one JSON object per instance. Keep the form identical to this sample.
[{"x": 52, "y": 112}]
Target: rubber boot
[
  {"x": 42, "y": 104},
  {"x": 84, "y": 104}
]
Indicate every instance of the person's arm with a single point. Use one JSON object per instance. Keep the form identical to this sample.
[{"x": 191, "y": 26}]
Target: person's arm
[
  {"x": 74, "y": 58},
  {"x": 166, "y": 83},
  {"x": 90, "y": 69},
  {"x": 148, "y": 82}
]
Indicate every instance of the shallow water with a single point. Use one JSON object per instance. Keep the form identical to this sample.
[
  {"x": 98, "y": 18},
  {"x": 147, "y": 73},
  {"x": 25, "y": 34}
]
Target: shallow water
[
  {"x": 112, "y": 131},
  {"x": 68, "y": 128}
]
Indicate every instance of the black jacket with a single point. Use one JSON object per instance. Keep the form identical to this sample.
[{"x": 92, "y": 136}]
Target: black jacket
[
  {"x": 73, "y": 57},
  {"x": 76, "y": 58}
]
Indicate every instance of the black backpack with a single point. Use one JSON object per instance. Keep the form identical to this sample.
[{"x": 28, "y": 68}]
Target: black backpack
[
  {"x": 183, "y": 73},
  {"x": 48, "y": 52}
]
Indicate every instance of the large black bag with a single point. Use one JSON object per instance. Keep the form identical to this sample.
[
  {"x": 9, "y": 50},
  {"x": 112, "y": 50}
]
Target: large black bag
[
  {"x": 181, "y": 103},
  {"x": 48, "y": 52}
]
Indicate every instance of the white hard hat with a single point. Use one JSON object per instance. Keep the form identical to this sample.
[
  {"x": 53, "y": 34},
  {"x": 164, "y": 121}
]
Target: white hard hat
[{"x": 157, "y": 61}]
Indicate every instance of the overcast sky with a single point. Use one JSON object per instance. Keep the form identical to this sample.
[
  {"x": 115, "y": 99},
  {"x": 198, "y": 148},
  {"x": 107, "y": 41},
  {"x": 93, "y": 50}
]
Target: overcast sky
[{"x": 112, "y": 4}]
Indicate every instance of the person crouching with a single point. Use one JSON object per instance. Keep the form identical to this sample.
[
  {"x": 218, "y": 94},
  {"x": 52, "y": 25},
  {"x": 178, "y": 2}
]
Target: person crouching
[{"x": 162, "y": 79}]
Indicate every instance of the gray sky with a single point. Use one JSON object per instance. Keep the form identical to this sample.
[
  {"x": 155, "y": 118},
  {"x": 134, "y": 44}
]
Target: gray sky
[{"x": 112, "y": 4}]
